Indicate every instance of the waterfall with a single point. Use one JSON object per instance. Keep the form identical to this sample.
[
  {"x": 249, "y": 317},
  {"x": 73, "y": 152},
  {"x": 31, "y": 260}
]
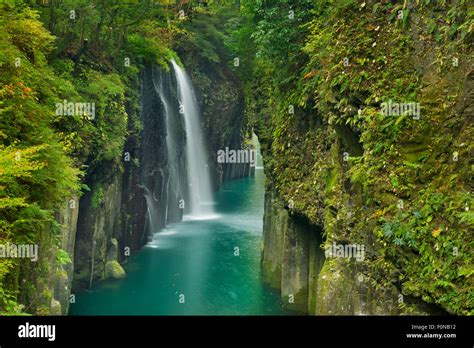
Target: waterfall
[
  {"x": 199, "y": 182},
  {"x": 170, "y": 138},
  {"x": 149, "y": 181},
  {"x": 152, "y": 210},
  {"x": 173, "y": 183},
  {"x": 259, "y": 158},
  {"x": 160, "y": 170}
]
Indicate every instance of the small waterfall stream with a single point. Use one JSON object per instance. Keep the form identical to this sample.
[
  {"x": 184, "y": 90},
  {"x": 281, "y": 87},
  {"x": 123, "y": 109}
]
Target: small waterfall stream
[{"x": 173, "y": 185}]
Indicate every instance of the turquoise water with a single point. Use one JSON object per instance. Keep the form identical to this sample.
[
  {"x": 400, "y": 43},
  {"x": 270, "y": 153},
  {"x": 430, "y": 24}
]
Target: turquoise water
[{"x": 196, "y": 258}]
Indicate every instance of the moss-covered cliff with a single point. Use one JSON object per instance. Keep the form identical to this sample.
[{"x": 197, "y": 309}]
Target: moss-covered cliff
[{"x": 398, "y": 184}]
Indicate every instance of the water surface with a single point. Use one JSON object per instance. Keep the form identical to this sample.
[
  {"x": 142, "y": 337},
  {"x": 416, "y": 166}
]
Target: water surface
[{"x": 196, "y": 258}]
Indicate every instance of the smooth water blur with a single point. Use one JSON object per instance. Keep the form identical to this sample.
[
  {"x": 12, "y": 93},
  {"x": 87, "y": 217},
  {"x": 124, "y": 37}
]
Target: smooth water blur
[
  {"x": 199, "y": 180},
  {"x": 196, "y": 258}
]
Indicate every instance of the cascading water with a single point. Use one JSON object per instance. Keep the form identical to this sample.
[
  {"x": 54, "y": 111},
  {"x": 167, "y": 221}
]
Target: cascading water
[
  {"x": 161, "y": 166},
  {"x": 152, "y": 209},
  {"x": 149, "y": 178},
  {"x": 173, "y": 182},
  {"x": 199, "y": 182}
]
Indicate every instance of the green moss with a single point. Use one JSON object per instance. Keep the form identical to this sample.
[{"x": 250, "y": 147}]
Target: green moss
[
  {"x": 97, "y": 196},
  {"x": 300, "y": 302},
  {"x": 271, "y": 274},
  {"x": 114, "y": 270},
  {"x": 424, "y": 243},
  {"x": 331, "y": 180}
]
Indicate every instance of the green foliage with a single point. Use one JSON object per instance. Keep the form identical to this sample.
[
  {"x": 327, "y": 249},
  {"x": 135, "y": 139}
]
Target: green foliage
[
  {"x": 36, "y": 175},
  {"x": 97, "y": 197},
  {"x": 335, "y": 67},
  {"x": 80, "y": 60},
  {"x": 203, "y": 35},
  {"x": 63, "y": 258}
]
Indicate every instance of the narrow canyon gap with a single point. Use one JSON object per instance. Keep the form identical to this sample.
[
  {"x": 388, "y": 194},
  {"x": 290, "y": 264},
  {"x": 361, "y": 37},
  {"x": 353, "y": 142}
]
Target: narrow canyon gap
[{"x": 196, "y": 259}]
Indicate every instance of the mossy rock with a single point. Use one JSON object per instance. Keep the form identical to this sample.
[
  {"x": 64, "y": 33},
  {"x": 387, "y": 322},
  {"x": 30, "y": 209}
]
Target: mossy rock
[
  {"x": 298, "y": 303},
  {"x": 271, "y": 274},
  {"x": 114, "y": 270},
  {"x": 55, "y": 308},
  {"x": 414, "y": 153},
  {"x": 81, "y": 274}
]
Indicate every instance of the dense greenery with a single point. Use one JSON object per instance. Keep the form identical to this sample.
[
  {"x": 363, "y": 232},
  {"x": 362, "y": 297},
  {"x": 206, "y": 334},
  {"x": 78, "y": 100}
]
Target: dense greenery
[
  {"x": 50, "y": 54},
  {"x": 315, "y": 74},
  {"x": 318, "y": 83}
]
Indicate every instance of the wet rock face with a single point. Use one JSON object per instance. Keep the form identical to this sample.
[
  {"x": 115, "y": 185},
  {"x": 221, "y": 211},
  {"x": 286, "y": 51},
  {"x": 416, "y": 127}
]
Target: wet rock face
[
  {"x": 99, "y": 223},
  {"x": 67, "y": 218},
  {"x": 295, "y": 267},
  {"x": 342, "y": 290},
  {"x": 292, "y": 257},
  {"x": 113, "y": 270},
  {"x": 162, "y": 180},
  {"x": 274, "y": 226},
  {"x": 294, "y": 262}
]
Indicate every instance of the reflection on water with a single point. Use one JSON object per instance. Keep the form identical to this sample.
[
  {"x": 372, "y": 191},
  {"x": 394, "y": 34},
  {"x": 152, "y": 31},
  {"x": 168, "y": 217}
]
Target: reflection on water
[{"x": 213, "y": 265}]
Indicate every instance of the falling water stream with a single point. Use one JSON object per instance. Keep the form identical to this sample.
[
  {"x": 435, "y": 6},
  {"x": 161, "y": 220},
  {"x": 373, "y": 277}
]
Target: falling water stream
[
  {"x": 197, "y": 169},
  {"x": 171, "y": 143}
]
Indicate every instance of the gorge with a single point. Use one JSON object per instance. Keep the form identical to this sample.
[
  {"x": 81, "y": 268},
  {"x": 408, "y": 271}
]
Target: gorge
[{"x": 240, "y": 159}]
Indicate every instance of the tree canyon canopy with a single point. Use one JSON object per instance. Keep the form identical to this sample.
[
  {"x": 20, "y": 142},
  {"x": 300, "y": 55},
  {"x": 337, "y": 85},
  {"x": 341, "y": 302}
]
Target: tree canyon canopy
[{"x": 129, "y": 155}]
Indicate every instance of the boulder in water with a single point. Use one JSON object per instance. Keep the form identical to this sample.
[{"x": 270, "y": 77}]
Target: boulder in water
[{"x": 114, "y": 270}]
